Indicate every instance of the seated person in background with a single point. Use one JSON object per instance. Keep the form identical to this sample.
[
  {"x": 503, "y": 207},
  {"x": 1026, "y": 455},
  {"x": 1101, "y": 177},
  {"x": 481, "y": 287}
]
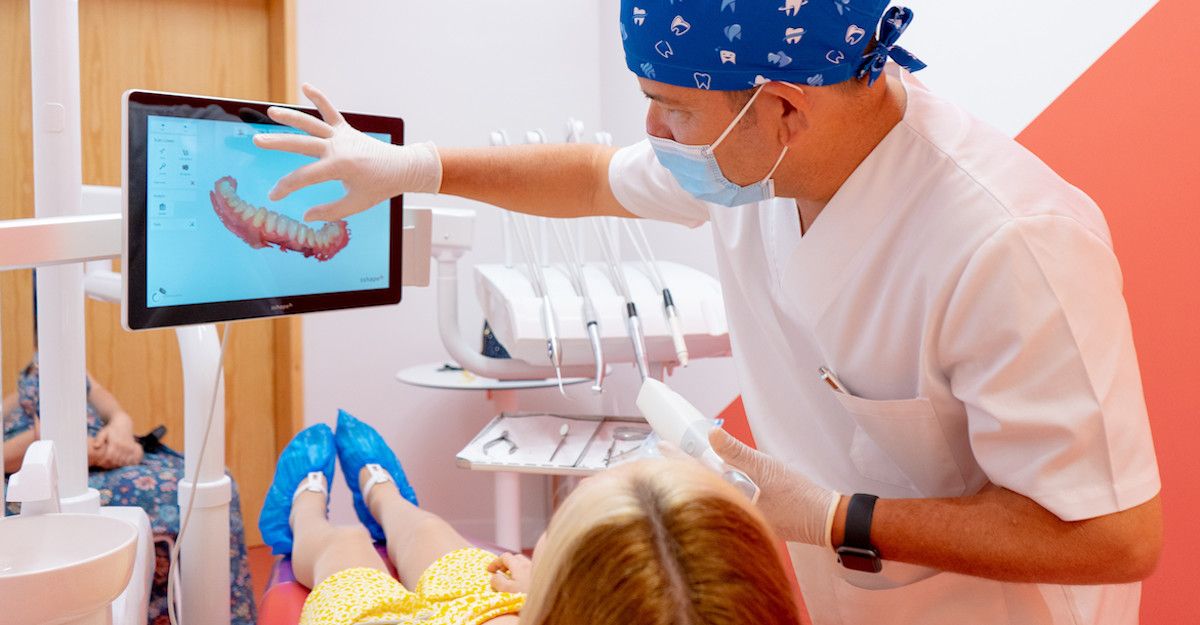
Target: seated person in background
[
  {"x": 125, "y": 475},
  {"x": 658, "y": 541}
]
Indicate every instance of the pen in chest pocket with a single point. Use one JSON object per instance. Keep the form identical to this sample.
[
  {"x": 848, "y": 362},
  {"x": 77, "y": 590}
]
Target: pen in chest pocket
[{"x": 829, "y": 378}]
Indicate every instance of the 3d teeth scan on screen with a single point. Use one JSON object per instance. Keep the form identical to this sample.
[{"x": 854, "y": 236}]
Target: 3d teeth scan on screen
[
  {"x": 212, "y": 235},
  {"x": 260, "y": 227}
]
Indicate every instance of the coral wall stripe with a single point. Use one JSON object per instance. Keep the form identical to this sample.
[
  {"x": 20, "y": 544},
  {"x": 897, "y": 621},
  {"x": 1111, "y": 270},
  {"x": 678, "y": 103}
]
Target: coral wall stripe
[{"x": 1127, "y": 134}]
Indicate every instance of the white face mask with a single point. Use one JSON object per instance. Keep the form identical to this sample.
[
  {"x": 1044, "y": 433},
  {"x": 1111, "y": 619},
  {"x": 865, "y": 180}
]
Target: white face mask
[{"x": 696, "y": 169}]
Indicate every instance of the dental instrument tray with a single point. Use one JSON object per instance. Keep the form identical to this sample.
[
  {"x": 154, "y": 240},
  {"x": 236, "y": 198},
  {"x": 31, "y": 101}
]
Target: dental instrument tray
[
  {"x": 203, "y": 243},
  {"x": 553, "y": 444}
]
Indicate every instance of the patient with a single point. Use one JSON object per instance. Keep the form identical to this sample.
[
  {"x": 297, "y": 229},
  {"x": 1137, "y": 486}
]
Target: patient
[{"x": 656, "y": 542}]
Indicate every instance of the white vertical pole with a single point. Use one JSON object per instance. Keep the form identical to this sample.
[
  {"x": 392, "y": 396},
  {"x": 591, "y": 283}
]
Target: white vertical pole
[
  {"x": 508, "y": 487},
  {"x": 57, "y": 188},
  {"x": 204, "y": 550}
]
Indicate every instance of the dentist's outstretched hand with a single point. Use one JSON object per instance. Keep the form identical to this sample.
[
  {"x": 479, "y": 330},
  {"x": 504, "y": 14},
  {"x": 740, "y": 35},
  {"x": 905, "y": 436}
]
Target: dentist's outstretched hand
[
  {"x": 799, "y": 510},
  {"x": 371, "y": 171}
]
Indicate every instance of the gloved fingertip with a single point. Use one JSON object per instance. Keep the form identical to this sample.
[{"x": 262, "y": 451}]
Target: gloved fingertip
[{"x": 720, "y": 439}]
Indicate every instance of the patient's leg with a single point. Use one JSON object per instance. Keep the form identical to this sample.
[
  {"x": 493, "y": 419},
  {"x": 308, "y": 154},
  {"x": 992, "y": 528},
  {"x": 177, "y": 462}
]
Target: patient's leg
[
  {"x": 319, "y": 549},
  {"x": 415, "y": 538}
]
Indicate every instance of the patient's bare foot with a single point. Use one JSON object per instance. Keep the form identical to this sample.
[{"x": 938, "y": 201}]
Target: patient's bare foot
[
  {"x": 381, "y": 495},
  {"x": 308, "y": 504}
]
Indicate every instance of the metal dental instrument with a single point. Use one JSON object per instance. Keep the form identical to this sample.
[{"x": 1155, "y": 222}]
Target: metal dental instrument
[
  {"x": 575, "y": 269},
  {"x": 562, "y": 438},
  {"x": 503, "y": 437},
  {"x": 637, "y": 235},
  {"x": 566, "y": 246},
  {"x": 632, "y": 322},
  {"x": 624, "y": 433},
  {"x": 538, "y": 279}
]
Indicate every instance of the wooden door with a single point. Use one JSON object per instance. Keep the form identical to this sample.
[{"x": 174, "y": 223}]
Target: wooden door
[{"x": 228, "y": 48}]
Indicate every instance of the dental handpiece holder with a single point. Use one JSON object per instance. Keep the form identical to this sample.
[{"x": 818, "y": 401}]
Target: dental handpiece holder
[
  {"x": 518, "y": 315},
  {"x": 677, "y": 421},
  {"x": 515, "y": 314}
]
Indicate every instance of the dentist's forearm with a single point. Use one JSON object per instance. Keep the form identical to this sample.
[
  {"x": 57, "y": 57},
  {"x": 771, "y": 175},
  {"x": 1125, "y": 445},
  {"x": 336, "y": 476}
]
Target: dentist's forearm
[
  {"x": 567, "y": 180},
  {"x": 1002, "y": 535}
]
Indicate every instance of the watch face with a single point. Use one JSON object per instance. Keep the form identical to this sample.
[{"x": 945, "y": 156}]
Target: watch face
[{"x": 865, "y": 560}]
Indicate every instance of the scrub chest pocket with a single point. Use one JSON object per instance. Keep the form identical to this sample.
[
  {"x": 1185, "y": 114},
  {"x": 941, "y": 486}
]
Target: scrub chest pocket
[{"x": 901, "y": 443}]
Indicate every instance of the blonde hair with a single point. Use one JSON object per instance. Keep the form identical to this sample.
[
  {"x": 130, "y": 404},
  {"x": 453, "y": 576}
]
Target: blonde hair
[{"x": 658, "y": 542}]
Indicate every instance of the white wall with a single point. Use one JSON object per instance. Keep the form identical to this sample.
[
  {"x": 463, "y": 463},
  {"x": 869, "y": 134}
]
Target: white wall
[
  {"x": 1006, "y": 62},
  {"x": 454, "y": 75}
]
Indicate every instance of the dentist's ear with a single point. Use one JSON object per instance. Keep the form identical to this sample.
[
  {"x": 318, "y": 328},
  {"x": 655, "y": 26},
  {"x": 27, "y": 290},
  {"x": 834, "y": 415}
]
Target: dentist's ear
[{"x": 797, "y": 109}]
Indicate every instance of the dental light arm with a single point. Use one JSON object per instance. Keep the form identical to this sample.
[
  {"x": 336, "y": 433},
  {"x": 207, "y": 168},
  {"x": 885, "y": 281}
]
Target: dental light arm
[{"x": 677, "y": 421}]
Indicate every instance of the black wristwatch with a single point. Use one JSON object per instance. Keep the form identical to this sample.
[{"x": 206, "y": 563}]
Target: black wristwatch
[{"x": 857, "y": 552}]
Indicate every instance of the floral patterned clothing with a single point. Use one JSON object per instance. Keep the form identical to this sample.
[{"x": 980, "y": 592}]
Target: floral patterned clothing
[
  {"x": 455, "y": 590},
  {"x": 151, "y": 485}
]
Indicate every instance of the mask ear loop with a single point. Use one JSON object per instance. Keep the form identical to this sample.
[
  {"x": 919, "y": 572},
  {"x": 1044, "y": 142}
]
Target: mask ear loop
[
  {"x": 779, "y": 162},
  {"x": 733, "y": 124},
  {"x": 771, "y": 173},
  {"x": 742, "y": 114},
  {"x": 746, "y": 109}
]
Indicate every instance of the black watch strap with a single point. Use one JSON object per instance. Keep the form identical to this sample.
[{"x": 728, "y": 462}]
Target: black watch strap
[
  {"x": 857, "y": 552},
  {"x": 859, "y": 513}
]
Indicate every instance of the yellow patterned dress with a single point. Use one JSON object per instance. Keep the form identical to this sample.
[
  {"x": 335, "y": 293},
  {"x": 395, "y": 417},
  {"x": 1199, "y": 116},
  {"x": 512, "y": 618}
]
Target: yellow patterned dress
[{"x": 454, "y": 590}]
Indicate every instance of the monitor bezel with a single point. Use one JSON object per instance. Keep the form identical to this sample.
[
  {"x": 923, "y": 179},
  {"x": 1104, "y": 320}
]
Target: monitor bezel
[{"x": 136, "y": 315}]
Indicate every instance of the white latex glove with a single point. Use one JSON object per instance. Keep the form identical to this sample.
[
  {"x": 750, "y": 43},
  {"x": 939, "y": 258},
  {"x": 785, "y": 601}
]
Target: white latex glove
[
  {"x": 371, "y": 171},
  {"x": 799, "y": 510}
]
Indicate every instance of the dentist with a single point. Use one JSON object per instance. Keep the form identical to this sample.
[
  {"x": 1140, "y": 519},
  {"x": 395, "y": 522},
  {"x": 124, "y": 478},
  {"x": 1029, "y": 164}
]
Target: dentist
[{"x": 933, "y": 347}]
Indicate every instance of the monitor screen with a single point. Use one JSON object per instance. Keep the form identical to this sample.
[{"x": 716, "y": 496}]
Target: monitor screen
[{"x": 204, "y": 242}]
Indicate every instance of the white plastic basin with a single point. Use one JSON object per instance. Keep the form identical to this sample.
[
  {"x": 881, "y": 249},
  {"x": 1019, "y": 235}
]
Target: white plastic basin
[{"x": 63, "y": 568}]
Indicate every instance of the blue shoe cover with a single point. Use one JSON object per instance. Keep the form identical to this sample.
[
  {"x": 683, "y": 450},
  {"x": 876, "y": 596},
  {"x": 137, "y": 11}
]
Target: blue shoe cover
[
  {"x": 313, "y": 449},
  {"x": 358, "y": 445}
]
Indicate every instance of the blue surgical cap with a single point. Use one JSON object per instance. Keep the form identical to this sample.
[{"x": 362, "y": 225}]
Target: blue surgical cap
[{"x": 731, "y": 45}]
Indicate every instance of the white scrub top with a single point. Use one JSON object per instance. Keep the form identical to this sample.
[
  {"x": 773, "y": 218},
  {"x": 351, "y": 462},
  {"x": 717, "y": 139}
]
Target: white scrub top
[{"x": 969, "y": 300}]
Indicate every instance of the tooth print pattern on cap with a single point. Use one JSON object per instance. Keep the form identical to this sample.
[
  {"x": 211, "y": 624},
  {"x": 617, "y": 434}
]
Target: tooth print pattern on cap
[{"x": 734, "y": 45}]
